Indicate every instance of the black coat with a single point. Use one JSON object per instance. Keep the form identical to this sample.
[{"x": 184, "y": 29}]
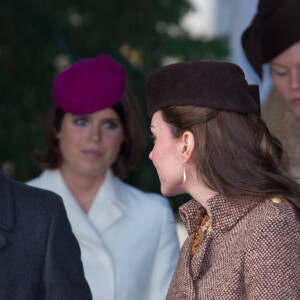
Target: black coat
[{"x": 39, "y": 255}]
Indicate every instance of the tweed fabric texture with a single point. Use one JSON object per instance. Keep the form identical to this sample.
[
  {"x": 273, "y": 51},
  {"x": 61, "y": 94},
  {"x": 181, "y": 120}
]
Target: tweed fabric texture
[{"x": 253, "y": 252}]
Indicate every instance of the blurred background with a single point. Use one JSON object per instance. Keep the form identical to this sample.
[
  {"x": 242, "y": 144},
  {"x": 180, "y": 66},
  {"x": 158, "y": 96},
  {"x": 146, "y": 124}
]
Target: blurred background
[{"x": 38, "y": 39}]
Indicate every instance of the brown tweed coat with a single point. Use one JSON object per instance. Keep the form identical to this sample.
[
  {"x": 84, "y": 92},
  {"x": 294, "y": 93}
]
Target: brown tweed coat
[{"x": 253, "y": 252}]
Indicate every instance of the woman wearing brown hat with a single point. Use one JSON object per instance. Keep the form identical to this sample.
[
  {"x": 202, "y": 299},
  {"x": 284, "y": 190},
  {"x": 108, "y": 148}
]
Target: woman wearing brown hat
[
  {"x": 127, "y": 237},
  {"x": 243, "y": 222},
  {"x": 274, "y": 38}
]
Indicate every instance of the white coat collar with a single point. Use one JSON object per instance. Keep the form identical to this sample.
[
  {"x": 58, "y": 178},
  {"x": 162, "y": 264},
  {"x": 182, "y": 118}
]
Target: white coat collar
[
  {"x": 109, "y": 204},
  {"x": 105, "y": 211}
]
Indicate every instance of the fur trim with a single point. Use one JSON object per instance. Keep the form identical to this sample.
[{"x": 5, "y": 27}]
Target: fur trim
[{"x": 284, "y": 125}]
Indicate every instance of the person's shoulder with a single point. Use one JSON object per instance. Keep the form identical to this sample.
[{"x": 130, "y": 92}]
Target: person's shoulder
[
  {"x": 34, "y": 181},
  {"x": 272, "y": 235},
  {"x": 34, "y": 197},
  {"x": 278, "y": 216},
  {"x": 277, "y": 208},
  {"x": 45, "y": 179}
]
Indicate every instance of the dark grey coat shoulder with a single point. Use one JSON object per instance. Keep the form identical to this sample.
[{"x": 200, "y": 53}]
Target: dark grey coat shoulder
[{"x": 39, "y": 255}]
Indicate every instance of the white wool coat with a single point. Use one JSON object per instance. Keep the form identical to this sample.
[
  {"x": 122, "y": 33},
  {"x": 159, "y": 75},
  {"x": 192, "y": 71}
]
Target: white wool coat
[{"x": 128, "y": 239}]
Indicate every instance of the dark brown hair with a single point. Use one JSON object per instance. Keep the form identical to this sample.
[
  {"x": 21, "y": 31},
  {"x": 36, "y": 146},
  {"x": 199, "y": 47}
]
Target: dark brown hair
[
  {"x": 131, "y": 149},
  {"x": 235, "y": 154}
]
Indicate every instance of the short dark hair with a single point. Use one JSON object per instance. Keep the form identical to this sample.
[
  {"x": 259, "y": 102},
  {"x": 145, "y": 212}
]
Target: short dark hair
[
  {"x": 131, "y": 149},
  {"x": 235, "y": 154}
]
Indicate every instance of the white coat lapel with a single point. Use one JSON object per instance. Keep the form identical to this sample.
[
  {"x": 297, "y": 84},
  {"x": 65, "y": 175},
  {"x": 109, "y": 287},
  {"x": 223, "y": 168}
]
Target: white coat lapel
[
  {"x": 107, "y": 209},
  {"x": 81, "y": 225}
]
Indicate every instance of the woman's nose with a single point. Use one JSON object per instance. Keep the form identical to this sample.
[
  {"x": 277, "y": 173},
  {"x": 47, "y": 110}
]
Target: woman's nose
[
  {"x": 95, "y": 134},
  {"x": 150, "y": 155},
  {"x": 295, "y": 80}
]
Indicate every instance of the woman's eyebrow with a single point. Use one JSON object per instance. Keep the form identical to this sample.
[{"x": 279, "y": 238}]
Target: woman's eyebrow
[
  {"x": 278, "y": 65},
  {"x": 111, "y": 119},
  {"x": 75, "y": 115}
]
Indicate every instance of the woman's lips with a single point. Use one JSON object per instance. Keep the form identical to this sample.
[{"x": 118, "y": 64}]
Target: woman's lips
[
  {"x": 296, "y": 101},
  {"x": 92, "y": 153}
]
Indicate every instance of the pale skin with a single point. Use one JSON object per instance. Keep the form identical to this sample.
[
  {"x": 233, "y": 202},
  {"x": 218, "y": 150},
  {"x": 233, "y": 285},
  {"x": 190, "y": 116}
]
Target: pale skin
[
  {"x": 89, "y": 144},
  {"x": 82, "y": 188},
  {"x": 169, "y": 156},
  {"x": 285, "y": 71}
]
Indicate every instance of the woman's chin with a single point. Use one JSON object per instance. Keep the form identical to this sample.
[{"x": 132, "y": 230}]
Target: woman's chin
[
  {"x": 295, "y": 110},
  {"x": 169, "y": 192}
]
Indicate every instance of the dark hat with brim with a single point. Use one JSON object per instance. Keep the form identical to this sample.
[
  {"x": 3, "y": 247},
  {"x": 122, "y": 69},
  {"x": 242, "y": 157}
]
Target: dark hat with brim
[
  {"x": 275, "y": 28},
  {"x": 201, "y": 83}
]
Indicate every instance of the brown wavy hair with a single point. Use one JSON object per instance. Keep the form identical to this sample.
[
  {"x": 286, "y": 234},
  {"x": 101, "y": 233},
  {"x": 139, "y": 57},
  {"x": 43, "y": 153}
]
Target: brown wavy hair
[
  {"x": 235, "y": 154},
  {"x": 131, "y": 149}
]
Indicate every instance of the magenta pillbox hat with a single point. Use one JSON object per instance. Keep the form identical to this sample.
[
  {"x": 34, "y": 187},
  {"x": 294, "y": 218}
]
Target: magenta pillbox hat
[{"x": 90, "y": 85}]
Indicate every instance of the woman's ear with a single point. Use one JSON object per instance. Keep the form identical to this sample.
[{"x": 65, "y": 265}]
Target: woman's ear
[
  {"x": 57, "y": 135},
  {"x": 188, "y": 145}
]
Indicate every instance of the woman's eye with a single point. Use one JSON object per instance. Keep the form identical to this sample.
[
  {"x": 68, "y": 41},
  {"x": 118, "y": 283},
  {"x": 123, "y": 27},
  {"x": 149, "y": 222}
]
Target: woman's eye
[
  {"x": 80, "y": 122},
  {"x": 280, "y": 73},
  {"x": 110, "y": 125}
]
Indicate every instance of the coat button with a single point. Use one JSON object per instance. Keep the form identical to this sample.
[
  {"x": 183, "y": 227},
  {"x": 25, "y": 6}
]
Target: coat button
[{"x": 276, "y": 200}]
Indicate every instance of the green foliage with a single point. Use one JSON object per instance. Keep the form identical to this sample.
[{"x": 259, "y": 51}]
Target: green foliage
[{"x": 39, "y": 38}]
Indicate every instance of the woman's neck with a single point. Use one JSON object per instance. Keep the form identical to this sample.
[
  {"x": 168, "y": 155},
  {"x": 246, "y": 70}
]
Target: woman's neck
[
  {"x": 198, "y": 190},
  {"x": 202, "y": 195},
  {"x": 83, "y": 188}
]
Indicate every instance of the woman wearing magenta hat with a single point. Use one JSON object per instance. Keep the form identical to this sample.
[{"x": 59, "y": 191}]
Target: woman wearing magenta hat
[
  {"x": 243, "y": 221},
  {"x": 127, "y": 237},
  {"x": 274, "y": 38}
]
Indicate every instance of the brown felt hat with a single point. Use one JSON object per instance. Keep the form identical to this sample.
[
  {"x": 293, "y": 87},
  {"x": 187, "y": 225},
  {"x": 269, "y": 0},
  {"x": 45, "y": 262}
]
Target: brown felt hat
[
  {"x": 274, "y": 28},
  {"x": 217, "y": 85}
]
